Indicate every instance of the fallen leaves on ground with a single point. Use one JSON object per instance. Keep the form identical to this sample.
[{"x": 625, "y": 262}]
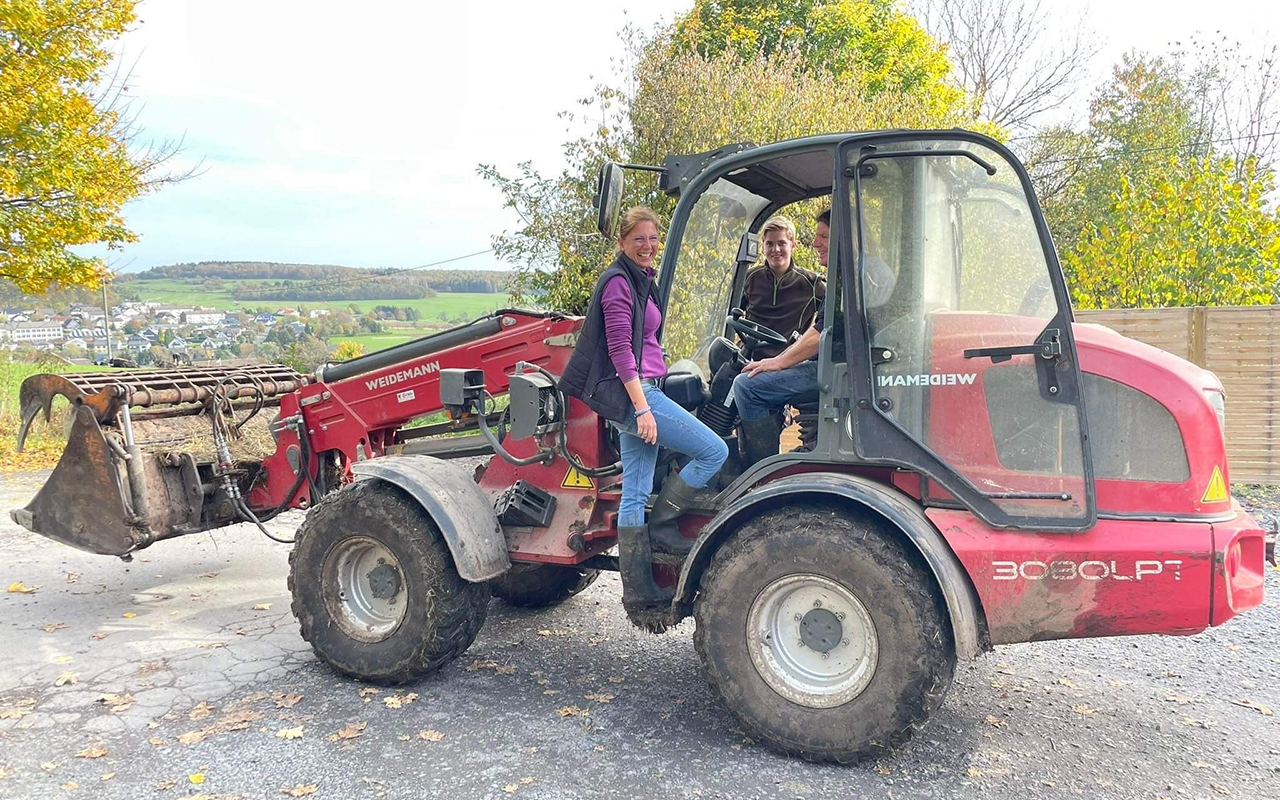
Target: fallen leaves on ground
[
  {"x": 192, "y": 737},
  {"x": 157, "y": 742},
  {"x": 1220, "y": 789},
  {"x": 301, "y": 790},
  {"x": 510, "y": 788},
  {"x": 18, "y": 709},
  {"x": 201, "y": 710},
  {"x": 352, "y": 730},
  {"x": 66, "y": 678},
  {"x": 70, "y": 786},
  {"x": 571, "y": 711},
  {"x": 128, "y": 615},
  {"x": 92, "y": 751},
  {"x": 262, "y": 607},
  {"x": 431, "y": 736},
  {"x": 493, "y": 665},
  {"x": 5, "y": 771},
  {"x": 62, "y": 659},
  {"x": 150, "y": 668},
  {"x": 99, "y": 636},
  {"x": 1174, "y": 697},
  {"x": 18, "y": 587},
  {"x": 53, "y": 627},
  {"x": 400, "y": 700},
  {"x": 73, "y": 577},
  {"x": 1198, "y": 723},
  {"x": 238, "y": 720},
  {"x": 160, "y": 786},
  {"x": 49, "y": 766},
  {"x": 368, "y": 691},
  {"x": 208, "y": 575},
  {"x": 289, "y": 733},
  {"x": 598, "y": 697},
  {"x": 118, "y": 703},
  {"x": 106, "y": 776},
  {"x": 1259, "y": 707},
  {"x": 1201, "y": 765},
  {"x": 196, "y": 777},
  {"x": 1083, "y": 709},
  {"x": 995, "y": 722},
  {"x": 286, "y": 700}
]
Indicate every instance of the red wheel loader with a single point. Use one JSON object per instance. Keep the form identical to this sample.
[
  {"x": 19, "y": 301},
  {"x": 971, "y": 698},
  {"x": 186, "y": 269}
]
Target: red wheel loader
[{"x": 977, "y": 468}]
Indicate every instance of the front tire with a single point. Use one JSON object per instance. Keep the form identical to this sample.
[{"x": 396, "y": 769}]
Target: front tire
[
  {"x": 541, "y": 585},
  {"x": 375, "y": 589},
  {"x": 823, "y": 634}
]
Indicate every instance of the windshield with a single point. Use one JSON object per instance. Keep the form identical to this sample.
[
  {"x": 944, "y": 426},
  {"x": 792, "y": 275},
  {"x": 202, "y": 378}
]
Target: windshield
[{"x": 707, "y": 258}]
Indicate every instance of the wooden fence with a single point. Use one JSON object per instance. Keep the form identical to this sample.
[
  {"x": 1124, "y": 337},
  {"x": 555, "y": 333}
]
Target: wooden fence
[{"x": 1241, "y": 345}]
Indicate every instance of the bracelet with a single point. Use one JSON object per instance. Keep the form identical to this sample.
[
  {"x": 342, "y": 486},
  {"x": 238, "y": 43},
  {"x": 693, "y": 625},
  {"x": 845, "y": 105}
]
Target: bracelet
[{"x": 640, "y": 414}]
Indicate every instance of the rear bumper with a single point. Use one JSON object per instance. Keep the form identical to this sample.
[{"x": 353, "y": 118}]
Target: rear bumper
[{"x": 1239, "y": 566}]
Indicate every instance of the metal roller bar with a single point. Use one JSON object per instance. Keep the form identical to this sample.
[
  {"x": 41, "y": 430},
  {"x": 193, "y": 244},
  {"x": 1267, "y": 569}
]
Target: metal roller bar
[
  {"x": 190, "y": 385},
  {"x": 408, "y": 351}
]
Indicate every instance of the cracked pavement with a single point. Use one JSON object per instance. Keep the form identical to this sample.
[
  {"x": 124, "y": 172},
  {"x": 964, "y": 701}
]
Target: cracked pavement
[{"x": 137, "y": 680}]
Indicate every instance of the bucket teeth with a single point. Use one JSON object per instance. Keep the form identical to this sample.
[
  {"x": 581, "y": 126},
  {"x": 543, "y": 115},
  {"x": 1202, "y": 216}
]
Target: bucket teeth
[{"x": 37, "y": 394}]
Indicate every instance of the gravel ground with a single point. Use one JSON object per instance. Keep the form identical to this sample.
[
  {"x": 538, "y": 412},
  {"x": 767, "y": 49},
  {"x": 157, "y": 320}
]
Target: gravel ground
[{"x": 210, "y": 692}]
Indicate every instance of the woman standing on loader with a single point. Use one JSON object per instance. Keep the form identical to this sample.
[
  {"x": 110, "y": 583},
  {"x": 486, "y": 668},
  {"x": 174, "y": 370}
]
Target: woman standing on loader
[{"x": 615, "y": 369}]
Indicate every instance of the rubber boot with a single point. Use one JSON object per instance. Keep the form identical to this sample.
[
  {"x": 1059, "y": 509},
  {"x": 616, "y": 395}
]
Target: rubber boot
[
  {"x": 760, "y": 439},
  {"x": 672, "y": 502},
  {"x": 647, "y": 604}
]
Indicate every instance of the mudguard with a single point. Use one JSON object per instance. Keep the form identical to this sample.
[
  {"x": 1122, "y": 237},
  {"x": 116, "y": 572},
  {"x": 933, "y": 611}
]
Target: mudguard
[
  {"x": 455, "y": 503},
  {"x": 967, "y": 622}
]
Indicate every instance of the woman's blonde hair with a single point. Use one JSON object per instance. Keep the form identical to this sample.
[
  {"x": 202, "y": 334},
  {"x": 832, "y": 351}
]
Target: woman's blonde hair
[{"x": 633, "y": 217}]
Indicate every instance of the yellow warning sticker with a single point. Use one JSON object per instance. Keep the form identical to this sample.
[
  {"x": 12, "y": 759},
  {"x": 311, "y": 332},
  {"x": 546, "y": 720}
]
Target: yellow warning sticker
[
  {"x": 1215, "y": 492},
  {"x": 576, "y": 480}
]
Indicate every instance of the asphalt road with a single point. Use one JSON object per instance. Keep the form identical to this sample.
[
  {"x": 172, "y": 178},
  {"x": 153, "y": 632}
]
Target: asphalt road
[{"x": 183, "y": 674}]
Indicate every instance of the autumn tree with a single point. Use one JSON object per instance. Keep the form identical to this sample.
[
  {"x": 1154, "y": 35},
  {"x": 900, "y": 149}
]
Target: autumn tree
[
  {"x": 347, "y": 350},
  {"x": 67, "y": 161},
  {"x": 683, "y": 91}
]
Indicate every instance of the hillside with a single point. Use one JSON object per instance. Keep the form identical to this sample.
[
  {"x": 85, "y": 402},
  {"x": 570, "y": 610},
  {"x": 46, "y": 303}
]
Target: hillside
[{"x": 260, "y": 281}]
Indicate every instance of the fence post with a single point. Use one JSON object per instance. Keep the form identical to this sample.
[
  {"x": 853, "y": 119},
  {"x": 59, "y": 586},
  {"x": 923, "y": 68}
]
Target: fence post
[{"x": 1198, "y": 330}]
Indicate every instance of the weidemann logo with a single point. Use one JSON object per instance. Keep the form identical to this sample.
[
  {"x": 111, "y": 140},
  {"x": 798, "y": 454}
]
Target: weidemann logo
[
  {"x": 929, "y": 379},
  {"x": 403, "y": 375}
]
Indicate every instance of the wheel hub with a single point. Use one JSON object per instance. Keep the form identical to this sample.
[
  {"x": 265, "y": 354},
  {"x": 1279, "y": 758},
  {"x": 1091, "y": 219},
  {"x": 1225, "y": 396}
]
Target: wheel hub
[
  {"x": 820, "y": 630},
  {"x": 363, "y": 587},
  {"x": 812, "y": 640}
]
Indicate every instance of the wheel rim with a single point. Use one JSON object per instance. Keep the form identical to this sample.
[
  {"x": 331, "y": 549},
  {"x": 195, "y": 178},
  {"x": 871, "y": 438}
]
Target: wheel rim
[
  {"x": 812, "y": 640},
  {"x": 364, "y": 588}
]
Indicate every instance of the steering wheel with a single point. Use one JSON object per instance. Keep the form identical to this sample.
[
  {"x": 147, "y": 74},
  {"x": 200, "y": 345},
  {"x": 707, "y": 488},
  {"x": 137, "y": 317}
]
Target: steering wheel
[{"x": 755, "y": 333}]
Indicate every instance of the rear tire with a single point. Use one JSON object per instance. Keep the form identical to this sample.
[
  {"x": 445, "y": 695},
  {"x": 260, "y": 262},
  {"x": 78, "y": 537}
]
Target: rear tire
[
  {"x": 375, "y": 589},
  {"x": 863, "y": 600},
  {"x": 541, "y": 585}
]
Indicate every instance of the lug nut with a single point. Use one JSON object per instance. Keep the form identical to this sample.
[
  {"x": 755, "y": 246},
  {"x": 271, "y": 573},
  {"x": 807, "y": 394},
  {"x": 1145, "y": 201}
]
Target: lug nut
[
  {"x": 798, "y": 617},
  {"x": 844, "y": 641},
  {"x": 824, "y": 656},
  {"x": 817, "y": 604},
  {"x": 840, "y": 615}
]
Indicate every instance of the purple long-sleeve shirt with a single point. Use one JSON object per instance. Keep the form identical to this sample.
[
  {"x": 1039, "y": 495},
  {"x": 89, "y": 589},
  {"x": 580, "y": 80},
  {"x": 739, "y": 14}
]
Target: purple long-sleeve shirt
[{"x": 617, "y": 304}]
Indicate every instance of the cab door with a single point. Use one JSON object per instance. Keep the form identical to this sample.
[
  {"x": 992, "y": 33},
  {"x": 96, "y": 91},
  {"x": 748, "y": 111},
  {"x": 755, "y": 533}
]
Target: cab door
[{"x": 961, "y": 356}]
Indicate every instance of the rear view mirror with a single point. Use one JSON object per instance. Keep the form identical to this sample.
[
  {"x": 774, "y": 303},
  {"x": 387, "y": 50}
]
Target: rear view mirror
[{"x": 608, "y": 198}]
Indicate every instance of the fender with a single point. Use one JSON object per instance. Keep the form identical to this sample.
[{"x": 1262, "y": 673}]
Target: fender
[
  {"x": 455, "y": 503},
  {"x": 967, "y": 621}
]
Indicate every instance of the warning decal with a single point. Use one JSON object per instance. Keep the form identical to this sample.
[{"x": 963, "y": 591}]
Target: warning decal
[
  {"x": 576, "y": 480},
  {"x": 1215, "y": 492}
]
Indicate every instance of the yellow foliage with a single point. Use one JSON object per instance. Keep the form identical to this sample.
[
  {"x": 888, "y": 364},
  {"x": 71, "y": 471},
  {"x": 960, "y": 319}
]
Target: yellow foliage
[{"x": 65, "y": 166}]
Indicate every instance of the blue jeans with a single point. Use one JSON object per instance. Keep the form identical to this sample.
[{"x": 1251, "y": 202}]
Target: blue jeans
[
  {"x": 757, "y": 396},
  {"x": 678, "y": 430}
]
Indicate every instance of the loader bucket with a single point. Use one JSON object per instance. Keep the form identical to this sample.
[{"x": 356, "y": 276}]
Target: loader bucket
[
  {"x": 127, "y": 479},
  {"x": 82, "y": 504}
]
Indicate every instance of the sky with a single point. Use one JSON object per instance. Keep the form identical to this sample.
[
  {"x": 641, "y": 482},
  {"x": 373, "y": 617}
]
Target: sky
[{"x": 350, "y": 134}]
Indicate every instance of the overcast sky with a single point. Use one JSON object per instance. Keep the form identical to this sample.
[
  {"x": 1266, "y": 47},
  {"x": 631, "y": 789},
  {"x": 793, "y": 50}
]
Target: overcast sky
[{"x": 340, "y": 134}]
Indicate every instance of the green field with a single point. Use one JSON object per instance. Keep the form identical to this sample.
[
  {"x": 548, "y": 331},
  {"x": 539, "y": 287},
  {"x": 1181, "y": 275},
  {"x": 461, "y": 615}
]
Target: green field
[
  {"x": 379, "y": 341},
  {"x": 173, "y": 292}
]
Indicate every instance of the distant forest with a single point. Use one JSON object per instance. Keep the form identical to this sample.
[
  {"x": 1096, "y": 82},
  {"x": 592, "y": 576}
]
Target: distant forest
[{"x": 314, "y": 282}]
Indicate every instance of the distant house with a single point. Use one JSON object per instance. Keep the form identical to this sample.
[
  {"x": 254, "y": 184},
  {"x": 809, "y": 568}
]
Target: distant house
[
  {"x": 298, "y": 328},
  {"x": 202, "y": 317},
  {"x": 137, "y": 343},
  {"x": 286, "y": 312},
  {"x": 35, "y": 332},
  {"x": 178, "y": 345},
  {"x": 72, "y": 324},
  {"x": 318, "y": 312},
  {"x": 265, "y": 319},
  {"x": 150, "y": 333}
]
